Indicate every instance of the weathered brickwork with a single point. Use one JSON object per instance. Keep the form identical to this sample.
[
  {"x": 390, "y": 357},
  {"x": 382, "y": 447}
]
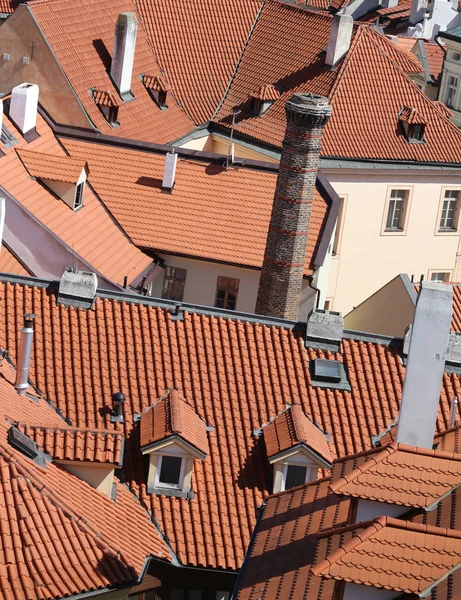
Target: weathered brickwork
[{"x": 282, "y": 273}]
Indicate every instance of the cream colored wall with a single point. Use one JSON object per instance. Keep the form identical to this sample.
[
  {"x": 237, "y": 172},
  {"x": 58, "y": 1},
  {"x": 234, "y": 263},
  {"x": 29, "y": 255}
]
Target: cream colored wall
[
  {"x": 98, "y": 476},
  {"x": 204, "y": 144},
  {"x": 388, "y": 312},
  {"x": 220, "y": 145},
  {"x": 451, "y": 67}
]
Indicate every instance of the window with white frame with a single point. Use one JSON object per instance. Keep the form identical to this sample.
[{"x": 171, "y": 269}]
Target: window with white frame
[
  {"x": 442, "y": 277},
  {"x": 396, "y": 210},
  {"x": 79, "y": 195},
  {"x": 170, "y": 472},
  {"x": 449, "y": 214},
  {"x": 452, "y": 87}
]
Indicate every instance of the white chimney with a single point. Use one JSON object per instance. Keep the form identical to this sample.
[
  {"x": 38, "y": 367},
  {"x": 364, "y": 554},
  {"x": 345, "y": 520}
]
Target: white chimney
[
  {"x": 121, "y": 68},
  {"x": 25, "y": 347},
  {"x": 170, "y": 171},
  {"x": 24, "y": 106},
  {"x": 425, "y": 365},
  {"x": 340, "y": 39}
]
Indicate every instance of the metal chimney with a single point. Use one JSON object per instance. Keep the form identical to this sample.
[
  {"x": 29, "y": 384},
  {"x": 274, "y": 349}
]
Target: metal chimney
[
  {"x": 121, "y": 69},
  {"x": 25, "y": 348},
  {"x": 169, "y": 173},
  {"x": 425, "y": 366},
  {"x": 118, "y": 399}
]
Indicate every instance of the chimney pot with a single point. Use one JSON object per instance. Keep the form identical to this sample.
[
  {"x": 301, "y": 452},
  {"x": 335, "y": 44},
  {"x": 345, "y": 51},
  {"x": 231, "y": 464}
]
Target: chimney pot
[
  {"x": 24, "y": 106},
  {"x": 25, "y": 348},
  {"x": 77, "y": 288},
  {"x": 121, "y": 69},
  {"x": 169, "y": 173},
  {"x": 340, "y": 39}
]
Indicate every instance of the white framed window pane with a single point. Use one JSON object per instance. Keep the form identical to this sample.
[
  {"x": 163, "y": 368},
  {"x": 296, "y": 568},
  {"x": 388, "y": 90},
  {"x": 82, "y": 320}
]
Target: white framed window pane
[
  {"x": 396, "y": 210},
  {"x": 449, "y": 214},
  {"x": 452, "y": 86},
  {"x": 296, "y": 475},
  {"x": 170, "y": 470},
  {"x": 440, "y": 277}
]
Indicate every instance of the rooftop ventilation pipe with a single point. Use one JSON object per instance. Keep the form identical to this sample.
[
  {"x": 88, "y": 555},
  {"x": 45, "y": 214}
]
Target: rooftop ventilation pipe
[
  {"x": 25, "y": 348},
  {"x": 24, "y": 106},
  {"x": 340, "y": 39},
  {"x": 169, "y": 173},
  {"x": 121, "y": 69},
  {"x": 118, "y": 399},
  {"x": 425, "y": 365}
]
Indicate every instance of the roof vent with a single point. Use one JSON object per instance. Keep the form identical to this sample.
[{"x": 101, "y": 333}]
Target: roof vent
[
  {"x": 22, "y": 442},
  {"x": 329, "y": 374},
  {"x": 77, "y": 288},
  {"x": 25, "y": 348},
  {"x": 118, "y": 400},
  {"x": 170, "y": 171},
  {"x": 121, "y": 68},
  {"x": 340, "y": 39},
  {"x": 324, "y": 329},
  {"x": 24, "y": 106}
]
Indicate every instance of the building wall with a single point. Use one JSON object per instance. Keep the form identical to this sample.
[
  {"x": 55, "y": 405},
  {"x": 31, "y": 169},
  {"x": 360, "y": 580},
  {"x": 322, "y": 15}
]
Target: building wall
[
  {"x": 452, "y": 67},
  {"x": 99, "y": 476},
  {"x": 20, "y": 38}
]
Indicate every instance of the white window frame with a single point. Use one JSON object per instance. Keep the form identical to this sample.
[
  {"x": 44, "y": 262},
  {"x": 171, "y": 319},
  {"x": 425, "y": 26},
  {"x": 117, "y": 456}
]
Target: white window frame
[
  {"x": 77, "y": 206},
  {"x": 455, "y": 230},
  {"x": 170, "y": 486},
  {"x": 455, "y": 88},
  {"x": 432, "y": 272},
  {"x": 406, "y": 211}
]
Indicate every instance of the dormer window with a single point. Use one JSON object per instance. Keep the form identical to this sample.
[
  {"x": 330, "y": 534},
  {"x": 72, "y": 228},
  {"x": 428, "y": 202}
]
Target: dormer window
[
  {"x": 413, "y": 125},
  {"x": 174, "y": 437},
  {"x": 64, "y": 176},
  {"x": 158, "y": 89},
  {"x": 296, "y": 448},
  {"x": 108, "y": 104},
  {"x": 263, "y": 98}
]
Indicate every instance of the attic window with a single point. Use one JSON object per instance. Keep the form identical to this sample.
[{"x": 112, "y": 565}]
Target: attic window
[
  {"x": 158, "y": 89},
  {"x": 170, "y": 471},
  {"x": 263, "y": 98},
  {"x": 413, "y": 125},
  {"x": 108, "y": 104},
  {"x": 329, "y": 374},
  {"x": 22, "y": 442},
  {"x": 79, "y": 195}
]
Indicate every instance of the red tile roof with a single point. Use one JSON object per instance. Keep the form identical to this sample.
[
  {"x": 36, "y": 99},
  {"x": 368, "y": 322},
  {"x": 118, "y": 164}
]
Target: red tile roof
[
  {"x": 435, "y": 56},
  {"x": 106, "y": 98},
  {"x": 399, "y": 474},
  {"x": 91, "y": 232},
  {"x": 266, "y": 92},
  {"x": 361, "y": 127},
  {"x": 87, "y": 21},
  {"x": 190, "y": 221},
  {"x": 236, "y": 375},
  {"x": 199, "y": 47},
  {"x": 412, "y": 116},
  {"x": 171, "y": 416},
  {"x": 156, "y": 83},
  {"x": 443, "y": 108},
  {"x": 292, "y": 428},
  {"x": 9, "y": 262},
  {"x": 77, "y": 444},
  {"x": 49, "y": 166}
]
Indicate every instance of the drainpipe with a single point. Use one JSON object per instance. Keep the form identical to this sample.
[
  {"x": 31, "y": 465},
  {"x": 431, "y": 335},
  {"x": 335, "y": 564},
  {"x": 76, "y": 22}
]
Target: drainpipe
[
  {"x": 310, "y": 279},
  {"x": 436, "y": 40}
]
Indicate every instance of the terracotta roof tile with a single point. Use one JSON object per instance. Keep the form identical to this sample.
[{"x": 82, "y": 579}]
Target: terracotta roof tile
[
  {"x": 198, "y": 50},
  {"x": 172, "y": 416},
  {"x": 9, "y": 262},
  {"x": 402, "y": 475},
  {"x": 49, "y": 166},
  {"x": 412, "y": 116},
  {"x": 8, "y": 6},
  {"x": 87, "y": 21},
  {"x": 193, "y": 224},
  {"x": 77, "y": 444},
  {"x": 156, "y": 83},
  {"x": 443, "y": 108},
  {"x": 106, "y": 98},
  {"x": 266, "y": 92},
  {"x": 291, "y": 428},
  {"x": 435, "y": 56}
]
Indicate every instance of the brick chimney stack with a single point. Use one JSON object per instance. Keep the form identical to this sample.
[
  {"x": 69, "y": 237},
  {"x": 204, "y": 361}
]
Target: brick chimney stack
[{"x": 282, "y": 273}]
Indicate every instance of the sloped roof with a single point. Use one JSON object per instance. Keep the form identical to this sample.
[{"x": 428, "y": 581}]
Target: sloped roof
[
  {"x": 435, "y": 56},
  {"x": 60, "y": 536},
  {"x": 172, "y": 416},
  {"x": 236, "y": 374},
  {"x": 77, "y": 443},
  {"x": 156, "y": 83},
  {"x": 400, "y": 474},
  {"x": 199, "y": 47},
  {"x": 83, "y": 47},
  {"x": 9, "y": 263},
  {"x": 365, "y": 105},
  {"x": 266, "y": 92},
  {"x": 91, "y": 232},
  {"x": 292, "y": 428},
  {"x": 106, "y": 98},
  {"x": 211, "y": 213},
  {"x": 49, "y": 166},
  {"x": 411, "y": 116}
]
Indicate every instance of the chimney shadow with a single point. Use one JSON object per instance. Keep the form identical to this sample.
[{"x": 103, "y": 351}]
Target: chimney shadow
[
  {"x": 150, "y": 182},
  {"x": 103, "y": 53}
]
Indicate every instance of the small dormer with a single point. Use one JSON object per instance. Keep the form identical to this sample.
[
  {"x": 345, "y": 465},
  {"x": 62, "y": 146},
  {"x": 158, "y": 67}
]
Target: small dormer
[
  {"x": 64, "y": 176},
  {"x": 413, "y": 124},
  {"x": 173, "y": 436},
  {"x": 108, "y": 104},
  {"x": 297, "y": 448},
  {"x": 263, "y": 98},
  {"x": 158, "y": 89}
]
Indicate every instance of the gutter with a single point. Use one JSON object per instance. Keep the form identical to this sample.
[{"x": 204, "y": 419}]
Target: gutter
[{"x": 436, "y": 39}]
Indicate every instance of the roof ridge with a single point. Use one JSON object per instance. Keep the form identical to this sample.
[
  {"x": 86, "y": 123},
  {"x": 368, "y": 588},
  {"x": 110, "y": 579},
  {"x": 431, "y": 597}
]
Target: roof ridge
[
  {"x": 371, "y": 451},
  {"x": 345, "y": 62},
  {"x": 455, "y": 456}
]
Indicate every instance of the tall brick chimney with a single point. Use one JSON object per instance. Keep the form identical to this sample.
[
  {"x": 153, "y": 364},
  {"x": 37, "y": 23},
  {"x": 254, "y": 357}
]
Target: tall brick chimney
[{"x": 282, "y": 273}]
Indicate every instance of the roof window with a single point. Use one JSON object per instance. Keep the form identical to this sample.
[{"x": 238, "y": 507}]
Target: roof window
[
  {"x": 108, "y": 104},
  {"x": 263, "y": 98},
  {"x": 22, "y": 442},
  {"x": 158, "y": 89},
  {"x": 7, "y": 137},
  {"x": 327, "y": 373},
  {"x": 413, "y": 125}
]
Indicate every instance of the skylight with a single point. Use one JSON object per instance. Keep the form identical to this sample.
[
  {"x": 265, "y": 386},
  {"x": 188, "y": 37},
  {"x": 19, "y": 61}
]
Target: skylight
[{"x": 327, "y": 370}]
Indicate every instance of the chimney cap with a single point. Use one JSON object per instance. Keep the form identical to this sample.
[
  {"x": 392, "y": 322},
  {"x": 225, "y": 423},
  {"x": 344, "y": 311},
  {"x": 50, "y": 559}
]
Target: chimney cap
[
  {"x": 118, "y": 397},
  {"x": 308, "y": 103}
]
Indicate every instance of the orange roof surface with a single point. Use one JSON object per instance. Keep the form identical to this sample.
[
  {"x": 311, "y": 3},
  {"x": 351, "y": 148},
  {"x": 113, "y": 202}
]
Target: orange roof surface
[
  {"x": 59, "y": 536},
  {"x": 49, "y": 166},
  {"x": 172, "y": 416},
  {"x": 79, "y": 444},
  {"x": 435, "y": 56},
  {"x": 91, "y": 231},
  {"x": 193, "y": 223},
  {"x": 106, "y": 98},
  {"x": 156, "y": 83},
  {"x": 236, "y": 375},
  {"x": 87, "y": 21},
  {"x": 291, "y": 428},
  {"x": 365, "y": 104},
  {"x": 411, "y": 115},
  {"x": 400, "y": 474},
  {"x": 266, "y": 92},
  {"x": 9, "y": 263},
  {"x": 198, "y": 47},
  {"x": 7, "y": 6},
  {"x": 392, "y": 554}
]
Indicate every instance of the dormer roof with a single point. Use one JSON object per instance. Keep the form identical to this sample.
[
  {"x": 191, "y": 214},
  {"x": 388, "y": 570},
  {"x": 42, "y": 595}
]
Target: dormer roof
[
  {"x": 171, "y": 417},
  {"x": 106, "y": 98},
  {"x": 266, "y": 93},
  {"x": 77, "y": 443},
  {"x": 291, "y": 429},
  {"x": 49, "y": 166},
  {"x": 157, "y": 83},
  {"x": 412, "y": 116}
]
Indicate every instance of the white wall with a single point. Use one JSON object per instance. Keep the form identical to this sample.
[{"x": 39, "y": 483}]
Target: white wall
[
  {"x": 353, "y": 591},
  {"x": 368, "y": 510}
]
